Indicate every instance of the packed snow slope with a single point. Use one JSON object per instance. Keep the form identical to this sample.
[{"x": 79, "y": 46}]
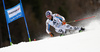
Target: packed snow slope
[{"x": 87, "y": 41}]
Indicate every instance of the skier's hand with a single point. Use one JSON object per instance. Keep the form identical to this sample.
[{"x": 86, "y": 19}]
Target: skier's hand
[
  {"x": 51, "y": 34},
  {"x": 63, "y": 22}
]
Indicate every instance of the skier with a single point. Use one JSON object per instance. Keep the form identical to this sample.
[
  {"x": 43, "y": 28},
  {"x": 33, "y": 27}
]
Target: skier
[{"x": 58, "y": 22}]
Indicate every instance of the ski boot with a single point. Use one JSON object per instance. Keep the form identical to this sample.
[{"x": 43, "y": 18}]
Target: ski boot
[
  {"x": 82, "y": 29},
  {"x": 61, "y": 35}
]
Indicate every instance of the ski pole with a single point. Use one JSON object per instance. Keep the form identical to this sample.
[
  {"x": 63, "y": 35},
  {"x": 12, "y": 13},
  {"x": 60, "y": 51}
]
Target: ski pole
[{"x": 81, "y": 19}]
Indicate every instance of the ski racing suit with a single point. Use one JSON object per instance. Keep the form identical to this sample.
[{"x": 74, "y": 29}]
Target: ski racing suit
[{"x": 56, "y": 22}]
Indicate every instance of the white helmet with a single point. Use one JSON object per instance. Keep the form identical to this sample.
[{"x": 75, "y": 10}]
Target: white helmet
[{"x": 48, "y": 13}]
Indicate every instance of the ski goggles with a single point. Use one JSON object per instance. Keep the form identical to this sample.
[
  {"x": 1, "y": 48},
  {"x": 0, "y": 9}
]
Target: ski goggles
[{"x": 48, "y": 16}]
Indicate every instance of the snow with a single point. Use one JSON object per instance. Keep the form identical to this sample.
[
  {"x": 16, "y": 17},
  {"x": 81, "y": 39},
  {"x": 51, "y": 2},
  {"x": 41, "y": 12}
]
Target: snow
[{"x": 87, "y": 41}]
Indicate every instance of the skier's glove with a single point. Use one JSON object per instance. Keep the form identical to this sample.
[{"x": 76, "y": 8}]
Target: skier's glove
[
  {"x": 63, "y": 23},
  {"x": 51, "y": 34}
]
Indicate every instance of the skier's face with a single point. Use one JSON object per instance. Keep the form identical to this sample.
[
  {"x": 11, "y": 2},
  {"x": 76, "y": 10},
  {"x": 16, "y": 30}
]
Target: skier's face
[{"x": 49, "y": 17}]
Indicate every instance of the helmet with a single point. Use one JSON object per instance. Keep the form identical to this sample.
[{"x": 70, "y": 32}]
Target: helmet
[{"x": 48, "y": 13}]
